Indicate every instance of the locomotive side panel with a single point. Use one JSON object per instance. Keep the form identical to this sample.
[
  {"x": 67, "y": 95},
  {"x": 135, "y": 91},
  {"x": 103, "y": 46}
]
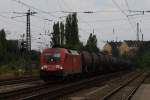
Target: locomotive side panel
[
  {"x": 77, "y": 66},
  {"x": 72, "y": 64},
  {"x": 68, "y": 64}
]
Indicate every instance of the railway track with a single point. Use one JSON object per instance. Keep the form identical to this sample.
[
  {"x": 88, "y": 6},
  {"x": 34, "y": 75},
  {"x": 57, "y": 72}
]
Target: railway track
[
  {"x": 126, "y": 90},
  {"x": 18, "y": 80},
  {"x": 51, "y": 91}
]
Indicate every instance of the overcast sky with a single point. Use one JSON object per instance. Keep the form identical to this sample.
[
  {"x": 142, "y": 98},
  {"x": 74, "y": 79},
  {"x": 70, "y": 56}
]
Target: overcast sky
[{"x": 109, "y": 15}]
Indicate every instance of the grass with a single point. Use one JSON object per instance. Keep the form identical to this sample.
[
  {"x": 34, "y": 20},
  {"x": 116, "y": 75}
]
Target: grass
[{"x": 11, "y": 71}]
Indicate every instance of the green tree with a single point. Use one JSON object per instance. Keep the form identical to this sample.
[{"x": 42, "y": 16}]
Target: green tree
[
  {"x": 72, "y": 32},
  {"x": 81, "y": 47},
  {"x": 3, "y": 45},
  {"x": 68, "y": 31},
  {"x": 62, "y": 34},
  {"x": 11, "y": 57},
  {"x": 124, "y": 56},
  {"x": 55, "y": 39},
  {"x": 142, "y": 57},
  {"x": 75, "y": 31},
  {"x": 66, "y": 35},
  {"x": 115, "y": 52},
  {"x": 3, "y": 39},
  {"x": 35, "y": 56},
  {"x": 91, "y": 44}
]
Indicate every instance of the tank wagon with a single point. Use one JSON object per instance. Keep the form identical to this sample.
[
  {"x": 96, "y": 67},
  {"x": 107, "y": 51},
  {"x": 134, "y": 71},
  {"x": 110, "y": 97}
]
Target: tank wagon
[{"x": 60, "y": 63}]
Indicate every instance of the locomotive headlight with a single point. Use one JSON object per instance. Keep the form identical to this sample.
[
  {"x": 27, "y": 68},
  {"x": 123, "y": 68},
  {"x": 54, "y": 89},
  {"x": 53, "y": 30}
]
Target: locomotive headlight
[
  {"x": 59, "y": 67},
  {"x": 44, "y": 67}
]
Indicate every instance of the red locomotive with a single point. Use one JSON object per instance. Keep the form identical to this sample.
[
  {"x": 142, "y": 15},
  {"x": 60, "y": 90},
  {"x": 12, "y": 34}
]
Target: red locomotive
[{"x": 61, "y": 62}]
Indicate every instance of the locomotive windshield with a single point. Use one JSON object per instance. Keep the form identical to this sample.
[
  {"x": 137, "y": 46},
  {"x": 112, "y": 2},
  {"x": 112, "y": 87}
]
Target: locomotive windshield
[{"x": 51, "y": 57}]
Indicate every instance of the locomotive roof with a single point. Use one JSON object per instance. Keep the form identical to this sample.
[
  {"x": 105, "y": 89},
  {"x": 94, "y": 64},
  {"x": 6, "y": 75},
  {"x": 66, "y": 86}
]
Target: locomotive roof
[{"x": 74, "y": 52}]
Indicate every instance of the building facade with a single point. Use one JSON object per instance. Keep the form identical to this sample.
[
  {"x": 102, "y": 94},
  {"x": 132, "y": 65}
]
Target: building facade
[{"x": 126, "y": 47}]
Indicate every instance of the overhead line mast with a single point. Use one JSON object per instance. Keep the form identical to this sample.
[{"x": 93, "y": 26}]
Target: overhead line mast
[
  {"x": 138, "y": 32},
  {"x": 28, "y": 27},
  {"x": 28, "y": 30}
]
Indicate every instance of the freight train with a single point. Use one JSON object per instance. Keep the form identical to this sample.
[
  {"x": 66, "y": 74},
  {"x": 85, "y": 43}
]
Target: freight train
[{"x": 61, "y": 63}]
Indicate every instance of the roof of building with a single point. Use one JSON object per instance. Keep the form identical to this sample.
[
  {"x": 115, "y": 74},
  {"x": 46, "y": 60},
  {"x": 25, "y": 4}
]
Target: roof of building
[
  {"x": 130, "y": 43},
  {"x": 135, "y": 43},
  {"x": 114, "y": 44}
]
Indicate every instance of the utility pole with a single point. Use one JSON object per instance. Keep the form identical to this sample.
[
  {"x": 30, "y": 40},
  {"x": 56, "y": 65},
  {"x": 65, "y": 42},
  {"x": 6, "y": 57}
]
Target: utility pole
[
  {"x": 137, "y": 31},
  {"x": 27, "y": 44},
  {"x": 28, "y": 30},
  {"x": 142, "y": 37},
  {"x": 113, "y": 34},
  {"x": 93, "y": 31}
]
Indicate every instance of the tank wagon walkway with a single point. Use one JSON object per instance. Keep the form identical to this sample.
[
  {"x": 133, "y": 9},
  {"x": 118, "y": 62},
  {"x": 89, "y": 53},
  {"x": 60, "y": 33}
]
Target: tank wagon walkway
[{"x": 143, "y": 93}]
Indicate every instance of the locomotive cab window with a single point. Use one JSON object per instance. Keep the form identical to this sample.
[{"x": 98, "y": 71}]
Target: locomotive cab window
[{"x": 50, "y": 57}]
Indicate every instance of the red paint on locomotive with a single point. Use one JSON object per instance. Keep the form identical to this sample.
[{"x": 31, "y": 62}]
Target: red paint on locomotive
[{"x": 60, "y": 62}]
